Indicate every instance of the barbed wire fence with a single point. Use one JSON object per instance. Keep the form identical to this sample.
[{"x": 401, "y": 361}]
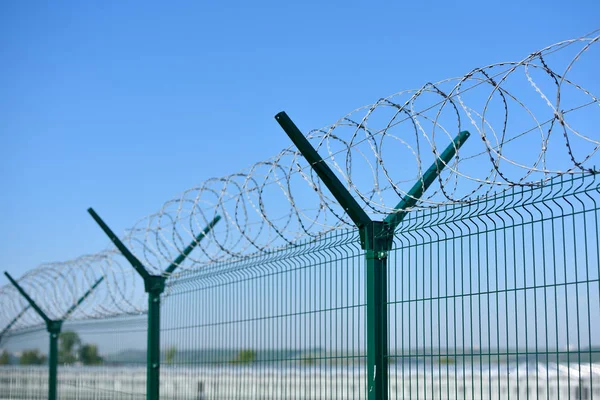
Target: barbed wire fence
[{"x": 527, "y": 120}]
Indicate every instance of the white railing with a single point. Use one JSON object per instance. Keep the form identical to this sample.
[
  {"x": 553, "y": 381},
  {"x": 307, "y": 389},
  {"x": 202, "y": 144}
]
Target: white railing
[{"x": 98, "y": 383}]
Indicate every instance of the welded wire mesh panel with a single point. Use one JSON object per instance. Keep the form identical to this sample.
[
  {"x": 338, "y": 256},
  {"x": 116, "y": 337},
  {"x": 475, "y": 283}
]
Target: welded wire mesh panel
[
  {"x": 24, "y": 366},
  {"x": 284, "y": 325},
  {"x": 104, "y": 359},
  {"x": 499, "y": 298}
]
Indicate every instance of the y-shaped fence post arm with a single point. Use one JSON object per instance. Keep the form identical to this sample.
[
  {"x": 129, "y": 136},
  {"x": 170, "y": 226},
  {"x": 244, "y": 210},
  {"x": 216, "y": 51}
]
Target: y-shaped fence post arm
[
  {"x": 154, "y": 286},
  {"x": 377, "y": 239},
  {"x": 154, "y": 298},
  {"x": 191, "y": 246},
  {"x": 415, "y": 193},
  {"x": 335, "y": 186},
  {"x": 13, "y": 321},
  {"x": 53, "y": 327},
  {"x": 135, "y": 263},
  {"x": 32, "y": 303},
  {"x": 81, "y": 299},
  {"x": 376, "y": 242}
]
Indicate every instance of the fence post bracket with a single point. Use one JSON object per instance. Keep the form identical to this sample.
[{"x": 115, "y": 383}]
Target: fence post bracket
[
  {"x": 54, "y": 327},
  {"x": 377, "y": 239},
  {"x": 154, "y": 285}
]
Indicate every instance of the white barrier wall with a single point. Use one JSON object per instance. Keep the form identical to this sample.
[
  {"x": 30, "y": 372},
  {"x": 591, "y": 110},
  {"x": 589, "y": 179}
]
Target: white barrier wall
[{"x": 95, "y": 383}]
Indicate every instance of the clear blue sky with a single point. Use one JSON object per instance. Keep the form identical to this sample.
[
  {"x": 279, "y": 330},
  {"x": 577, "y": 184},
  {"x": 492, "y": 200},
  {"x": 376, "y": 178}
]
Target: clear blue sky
[{"x": 122, "y": 105}]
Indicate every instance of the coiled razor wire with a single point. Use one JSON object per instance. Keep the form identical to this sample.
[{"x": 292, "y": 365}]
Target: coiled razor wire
[{"x": 530, "y": 121}]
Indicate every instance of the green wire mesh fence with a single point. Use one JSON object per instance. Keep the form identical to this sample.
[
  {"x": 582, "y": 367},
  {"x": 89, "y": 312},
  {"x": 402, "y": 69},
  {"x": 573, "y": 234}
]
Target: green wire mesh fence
[
  {"x": 24, "y": 369},
  {"x": 494, "y": 299},
  {"x": 382, "y": 256},
  {"x": 499, "y": 299},
  {"x": 102, "y": 359},
  {"x": 283, "y": 325}
]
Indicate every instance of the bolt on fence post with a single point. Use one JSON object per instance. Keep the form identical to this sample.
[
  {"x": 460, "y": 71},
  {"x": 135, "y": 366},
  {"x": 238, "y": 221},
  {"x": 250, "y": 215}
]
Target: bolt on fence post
[
  {"x": 376, "y": 239},
  {"x": 154, "y": 285},
  {"x": 53, "y": 327}
]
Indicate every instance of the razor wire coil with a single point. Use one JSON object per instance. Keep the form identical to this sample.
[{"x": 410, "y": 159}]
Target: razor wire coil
[{"x": 526, "y": 120}]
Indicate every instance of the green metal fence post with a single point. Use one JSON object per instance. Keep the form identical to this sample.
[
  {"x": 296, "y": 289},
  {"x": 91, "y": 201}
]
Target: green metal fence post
[
  {"x": 154, "y": 285},
  {"x": 377, "y": 240},
  {"x": 153, "y": 355},
  {"x": 53, "y": 327}
]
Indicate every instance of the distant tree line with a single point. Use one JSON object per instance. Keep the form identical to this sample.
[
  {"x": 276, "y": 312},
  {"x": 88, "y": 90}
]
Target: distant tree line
[
  {"x": 70, "y": 350},
  {"x": 245, "y": 356}
]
